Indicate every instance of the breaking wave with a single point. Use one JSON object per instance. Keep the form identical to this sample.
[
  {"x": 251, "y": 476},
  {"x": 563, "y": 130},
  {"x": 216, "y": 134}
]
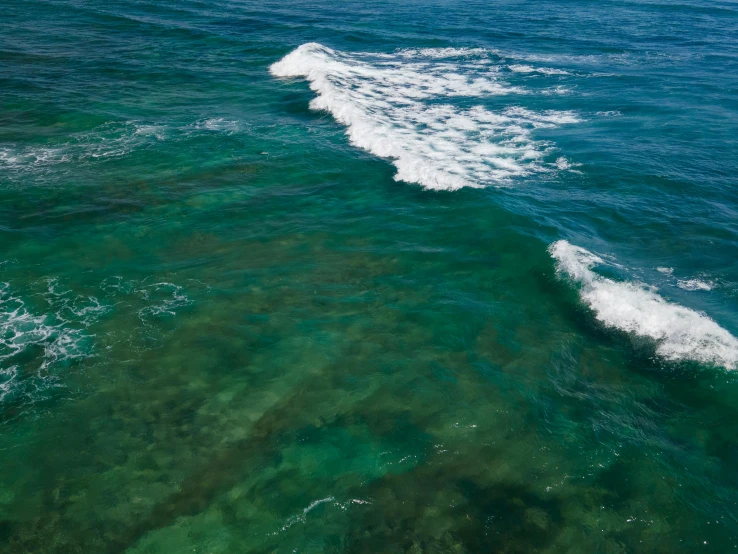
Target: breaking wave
[
  {"x": 680, "y": 333},
  {"x": 395, "y": 106}
]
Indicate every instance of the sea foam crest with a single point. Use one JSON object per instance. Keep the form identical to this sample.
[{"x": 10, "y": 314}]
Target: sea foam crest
[
  {"x": 680, "y": 333},
  {"x": 392, "y": 106}
]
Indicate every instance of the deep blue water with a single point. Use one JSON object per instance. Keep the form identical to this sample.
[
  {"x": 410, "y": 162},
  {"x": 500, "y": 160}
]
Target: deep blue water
[{"x": 369, "y": 276}]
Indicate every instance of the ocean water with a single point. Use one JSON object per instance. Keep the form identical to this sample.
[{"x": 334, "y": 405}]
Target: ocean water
[{"x": 383, "y": 277}]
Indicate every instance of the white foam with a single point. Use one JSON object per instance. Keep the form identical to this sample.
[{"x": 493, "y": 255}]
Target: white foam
[
  {"x": 520, "y": 68},
  {"x": 8, "y": 376},
  {"x": 160, "y": 298},
  {"x": 218, "y": 124},
  {"x": 585, "y": 59},
  {"x": 562, "y": 164},
  {"x": 392, "y": 106},
  {"x": 493, "y": 54},
  {"x": 442, "y": 53},
  {"x": 665, "y": 270},
  {"x": 302, "y": 518},
  {"x": 680, "y": 333},
  {"x": 111, "y": 140},
  {"x": 58, "y": 336},
  {"x": 164, "y": 299},
  {"x": 694, "y": 284},
  {"x": 106, "y": 141}
]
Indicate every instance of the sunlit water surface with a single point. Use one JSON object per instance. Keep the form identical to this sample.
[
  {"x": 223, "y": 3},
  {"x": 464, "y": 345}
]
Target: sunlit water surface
[{"x": 369, "y": 277}]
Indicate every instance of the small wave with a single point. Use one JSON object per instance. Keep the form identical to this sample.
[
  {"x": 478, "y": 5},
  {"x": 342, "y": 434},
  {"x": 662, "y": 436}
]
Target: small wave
[
  {"x": 686, "y": 284},
  {"x": 694, "y": 284},
  {"x": 219, "y": 125},
  {"x": 556, "y": 90},
  {"x": 113, "y": 140},
  {"x": 38, "y": 342},
  {"x": 443, "y": 53},
  {"x": 562, "y": 164},
  {"x": 581, "y": 59},
  {"x": 8, "y": 376},
  {"x": 42, "y": 331},
  {"x": 107, "y": 141},
  {"x": 14, "y": 159},
  {"x": 521, "y": 60},
  {"x": 301, "y": 518},
  {"x": 391, "y": 108},
  {"x": 680, "y": 333},
  {"x": 158, "y": 299},
  {"x": 60, "y": 333},
  {"x": 164, "y": 299},
  {"x": 153, "y": 304},
  {"x": 519, "y": 68}
]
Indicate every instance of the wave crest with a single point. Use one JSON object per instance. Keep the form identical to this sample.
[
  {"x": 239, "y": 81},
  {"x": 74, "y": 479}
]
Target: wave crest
[
  {"x": 680, "y": 333},
  {"x": 392, "y": 107}
]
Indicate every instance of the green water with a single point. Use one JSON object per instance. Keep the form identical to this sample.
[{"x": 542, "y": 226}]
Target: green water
[{"x": 226, "y": 328}]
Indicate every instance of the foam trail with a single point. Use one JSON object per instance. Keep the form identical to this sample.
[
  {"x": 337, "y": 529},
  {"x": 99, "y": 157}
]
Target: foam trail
[
  {"x": 680, "y": 333},
  {"x": 107, "y": 141},
  {"x": 519, "y": 68},
  {"x": 390, "y": 106}
]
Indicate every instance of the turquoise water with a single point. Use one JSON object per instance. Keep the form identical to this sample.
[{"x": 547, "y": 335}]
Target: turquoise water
[{"x": 368, "y": 277}]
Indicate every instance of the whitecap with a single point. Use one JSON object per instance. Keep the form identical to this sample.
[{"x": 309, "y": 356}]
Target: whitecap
[
  {"x": 694, "y": 284},
  {"x": 562, "y": 164},
  {"x": 679, "y": 332},
  {"x": 395, "y": 109}
]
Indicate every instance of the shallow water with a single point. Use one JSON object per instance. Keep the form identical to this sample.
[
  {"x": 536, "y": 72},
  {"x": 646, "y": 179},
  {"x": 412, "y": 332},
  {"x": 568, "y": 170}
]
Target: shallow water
[{"x": 417, "y": 277}]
